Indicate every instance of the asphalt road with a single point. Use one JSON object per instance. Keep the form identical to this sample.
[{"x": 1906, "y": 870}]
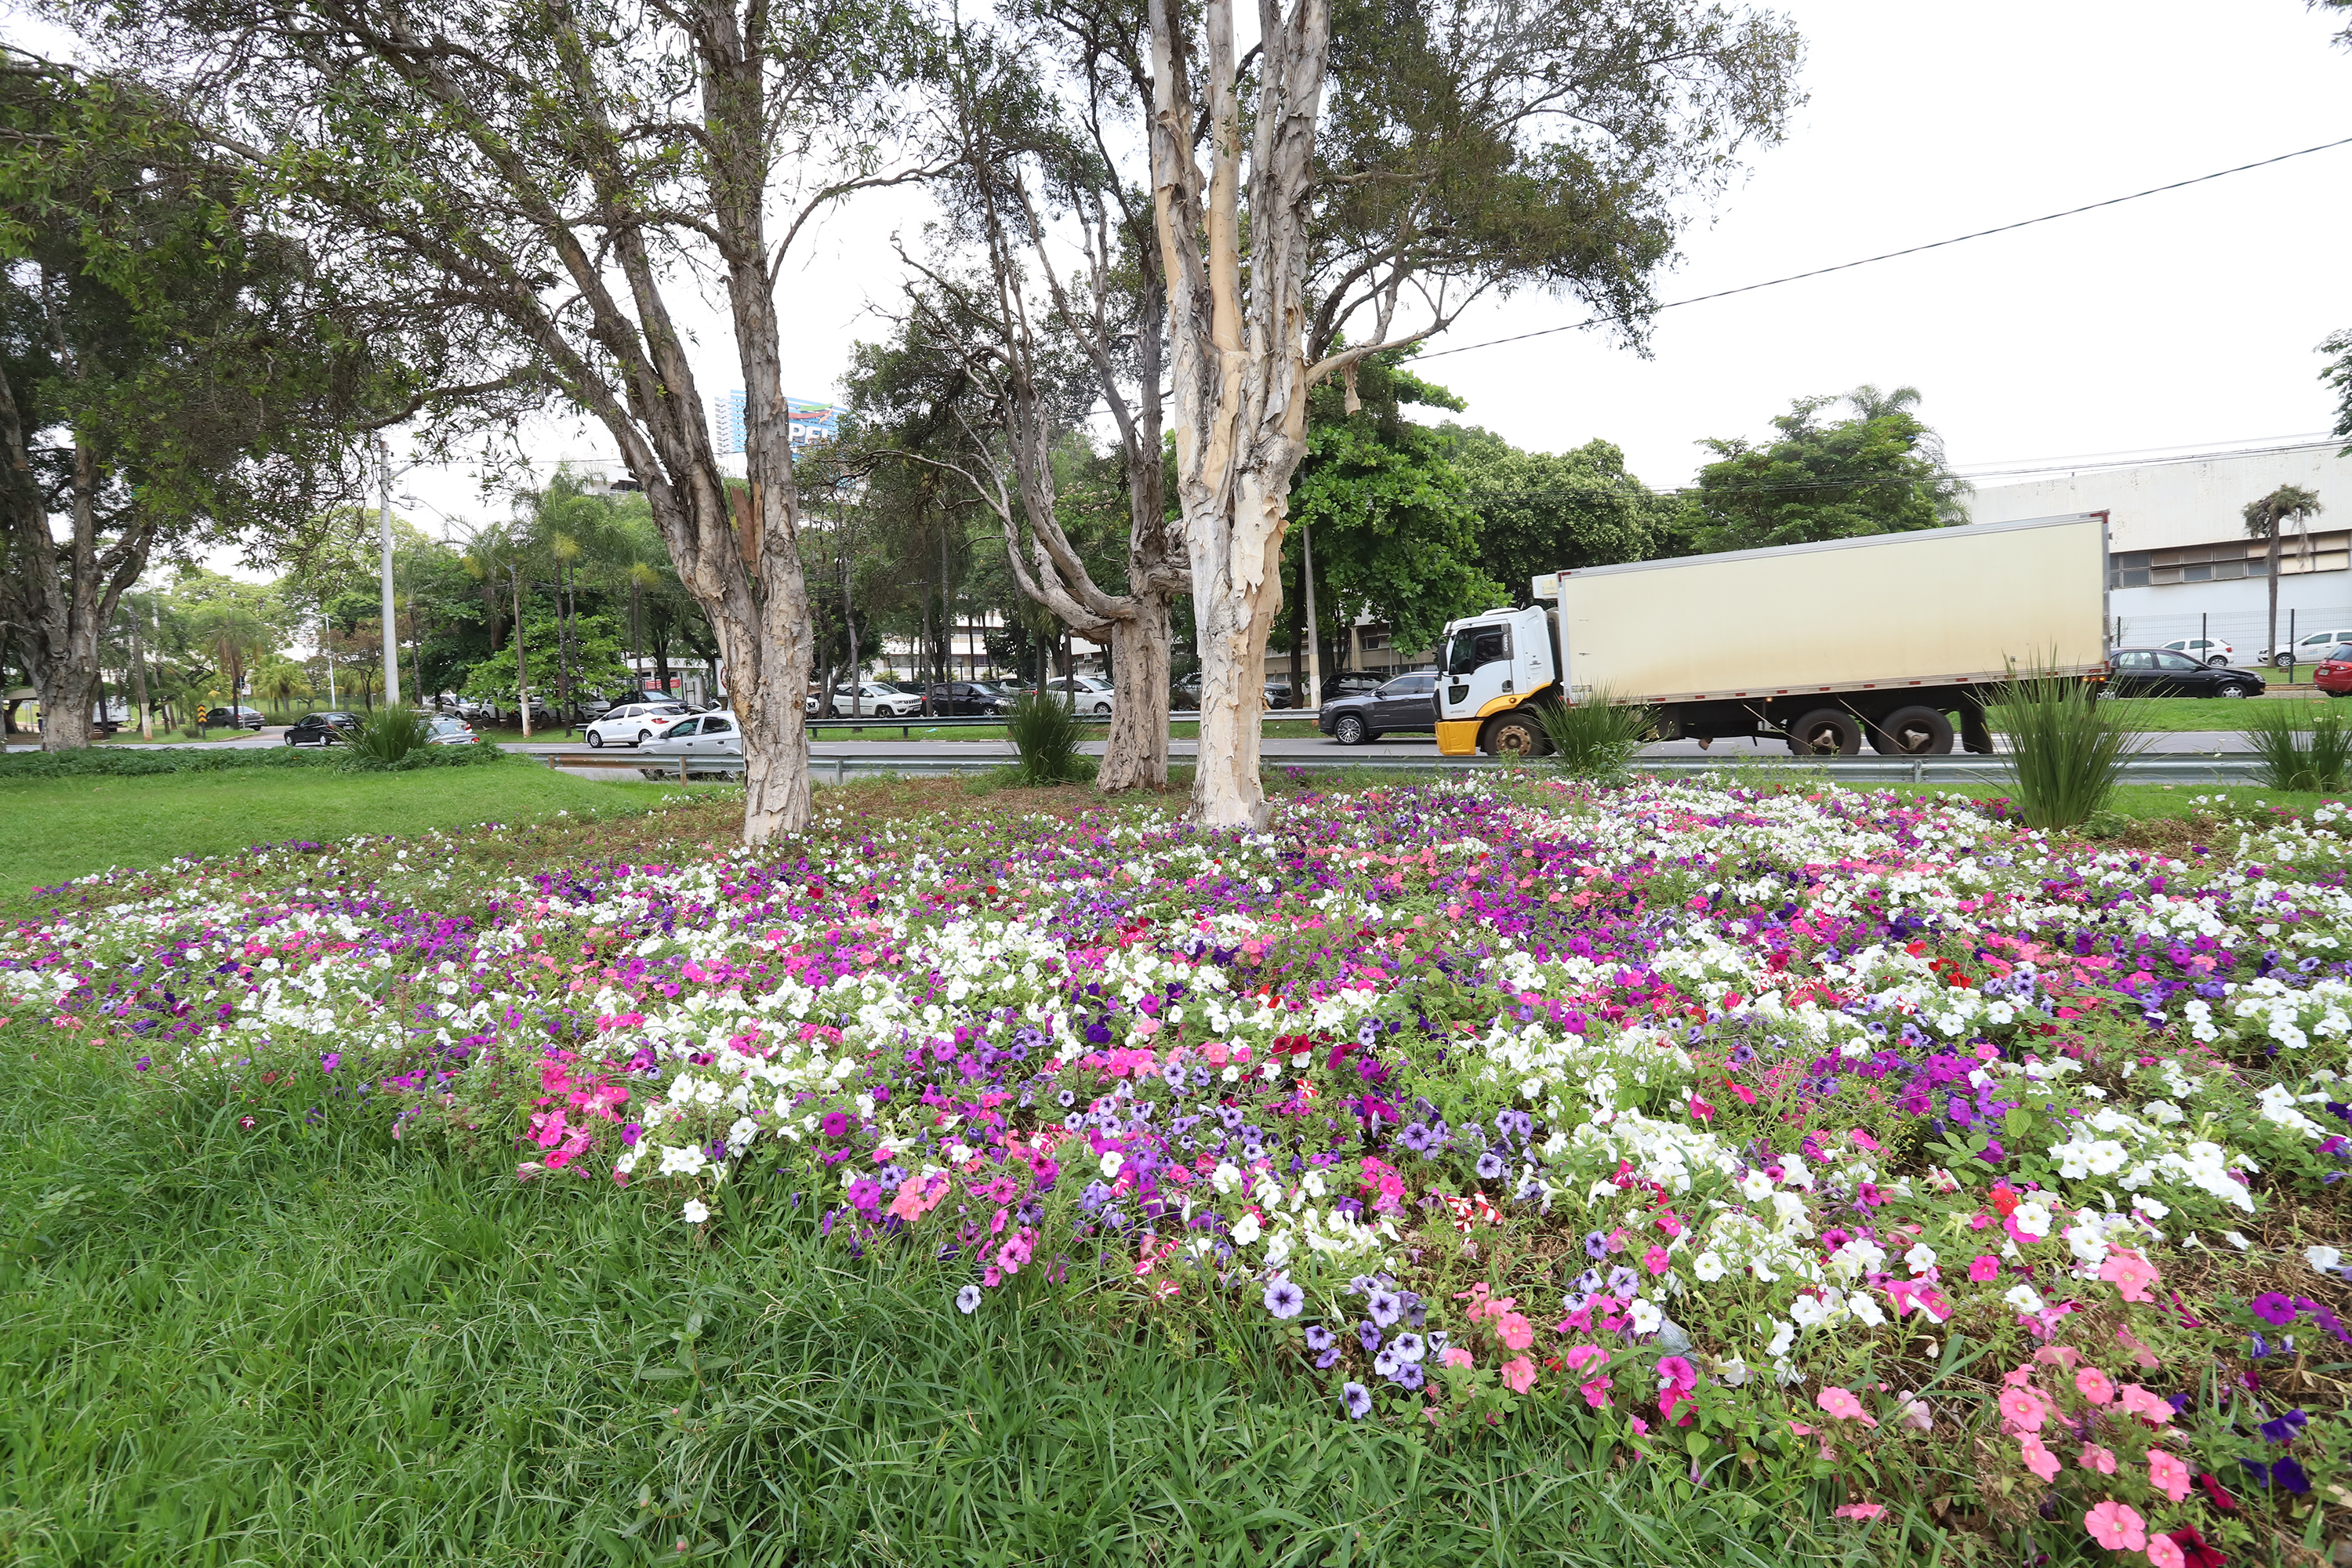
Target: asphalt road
[{"x": 2184, "y": 743}]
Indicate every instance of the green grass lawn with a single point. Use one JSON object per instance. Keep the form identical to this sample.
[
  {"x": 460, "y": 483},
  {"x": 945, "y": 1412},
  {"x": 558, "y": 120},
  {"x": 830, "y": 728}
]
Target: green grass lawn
[
  {"x": 66, "y": 827},
  {"x": 2174, "y": 714}
]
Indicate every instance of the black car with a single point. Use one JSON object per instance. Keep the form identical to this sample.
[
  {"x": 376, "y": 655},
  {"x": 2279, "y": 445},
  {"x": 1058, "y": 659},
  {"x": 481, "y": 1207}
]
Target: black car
[
  {"x": 1408, "y": 703},
  {"x": 1352, "y": 683},
  {"x": 320, "y": 729},
  {"x": 235, "y": 718},
  {"x": 2160, "y": 672},
  {"x": 951, "y": 699}
]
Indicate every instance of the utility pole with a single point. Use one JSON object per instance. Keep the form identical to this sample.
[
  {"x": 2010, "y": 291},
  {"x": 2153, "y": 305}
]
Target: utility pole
[{"x": 391, "y": 627}]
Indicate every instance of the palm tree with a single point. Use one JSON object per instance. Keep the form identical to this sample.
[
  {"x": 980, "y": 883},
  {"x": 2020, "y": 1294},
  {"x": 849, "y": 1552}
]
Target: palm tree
[
  {"x": 1944, "y": 487},
  {"x": 280, "y": 682},
  {"x": 2266, "y": 518}
]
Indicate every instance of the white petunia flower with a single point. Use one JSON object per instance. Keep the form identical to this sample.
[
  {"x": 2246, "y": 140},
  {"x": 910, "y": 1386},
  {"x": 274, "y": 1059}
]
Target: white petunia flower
[
  {"x": 1708, "y": 1267},
  {"x": 1920, "y": 1259},
  {"x": 2326, "y": 1260},
  {"x": 695, "y": 1212}
]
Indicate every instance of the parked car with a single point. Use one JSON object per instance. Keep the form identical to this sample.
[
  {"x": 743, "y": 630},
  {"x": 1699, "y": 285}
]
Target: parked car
[
  {"x": 1184, "y": 695},
  {"x": 235, "y": 718},
  {"x": 1353, "y": 683},
  {"x": 635, "y": 724},
  {"x": 2210, "y": 650},
  {"x": 2309, "y": 647},
  {"x": 2333, "y": 673},
  {"x": 2160, "y": 672},
  {"x": 446, "y": 730},
  {"x": 1408, "y": 703},
  {"x": 871, "y": 698},
  {"x": 1083, "y": 693},
  {"x": 964, "y": 698},
  {"x": 321, "y": 729},
  {"x": 698, "y": 735}
]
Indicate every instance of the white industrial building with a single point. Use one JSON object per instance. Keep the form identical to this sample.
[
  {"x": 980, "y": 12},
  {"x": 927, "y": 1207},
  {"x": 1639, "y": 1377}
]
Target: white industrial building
[{"x": 2178, "y": 562}]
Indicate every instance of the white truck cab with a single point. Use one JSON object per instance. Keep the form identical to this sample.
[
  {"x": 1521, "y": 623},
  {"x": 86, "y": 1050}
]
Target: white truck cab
[{"x": 1492, "y": 667}]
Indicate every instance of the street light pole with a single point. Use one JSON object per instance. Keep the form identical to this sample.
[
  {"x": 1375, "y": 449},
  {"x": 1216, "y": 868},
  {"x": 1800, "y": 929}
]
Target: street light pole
[{"x": 384, "y": 532}]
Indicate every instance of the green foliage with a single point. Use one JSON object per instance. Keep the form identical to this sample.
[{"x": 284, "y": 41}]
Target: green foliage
[
  {"x": 1046, "y": 734},
  {"x": 2307, "y": 751},
  {"x": 1544, "y": 512},
  {"x": 1595, "y": 739},
  {"x": 1394, "y": 530},
  {"x": 125, "y": 761},
  {"x": 1881, "y": 471},
  {"x": 388, "y": 734},
  {"x": 2066, "y": 748},
  {"x": 2339, "y": 373}
]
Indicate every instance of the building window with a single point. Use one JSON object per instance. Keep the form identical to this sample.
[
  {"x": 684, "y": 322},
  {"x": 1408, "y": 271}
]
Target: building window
[{"x": 2228, "y": 560}]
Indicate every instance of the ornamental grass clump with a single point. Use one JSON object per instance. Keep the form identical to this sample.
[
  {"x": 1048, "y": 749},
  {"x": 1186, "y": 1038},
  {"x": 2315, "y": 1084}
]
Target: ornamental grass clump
[
  {"x": 2066, "y": 748},
  {"x": 2293, "y": 756},
  {"x": 1046, "y": 734},
  {"x": 1595, "y": 739},
  {"x": 388, "y": 734}
]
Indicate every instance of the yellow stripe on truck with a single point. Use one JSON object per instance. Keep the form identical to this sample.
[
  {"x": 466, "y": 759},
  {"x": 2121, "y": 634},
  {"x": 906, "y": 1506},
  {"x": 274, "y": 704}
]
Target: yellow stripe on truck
[
  {"x": 1507, "y": 701},
  {"x": 1457, "y": 737}
]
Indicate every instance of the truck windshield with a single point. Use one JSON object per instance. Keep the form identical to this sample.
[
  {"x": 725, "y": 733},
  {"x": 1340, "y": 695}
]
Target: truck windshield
[{"x": 1478, "y": 646}]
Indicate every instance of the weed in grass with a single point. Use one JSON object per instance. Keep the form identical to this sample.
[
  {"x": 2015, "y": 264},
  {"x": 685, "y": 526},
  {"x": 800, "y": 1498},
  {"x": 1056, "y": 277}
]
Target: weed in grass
[
  {"x": 1596, "y": 739},
  {"x": 2305, "y": 748},
  {"x": 2066, "y": 748}
]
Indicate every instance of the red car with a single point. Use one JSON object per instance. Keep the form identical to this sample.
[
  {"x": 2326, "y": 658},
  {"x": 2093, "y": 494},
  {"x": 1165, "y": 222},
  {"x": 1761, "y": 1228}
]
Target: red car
[{"x": 2334, "y": 674}]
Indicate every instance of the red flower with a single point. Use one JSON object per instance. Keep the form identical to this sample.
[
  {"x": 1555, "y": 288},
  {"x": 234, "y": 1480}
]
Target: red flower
[
  {"x": 2194, "y": 1552},
  {"x": 2218, "y": 1493}
]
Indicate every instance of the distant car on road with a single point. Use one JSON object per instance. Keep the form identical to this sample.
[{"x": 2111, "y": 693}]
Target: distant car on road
[
  {"x": 2160, "y": 672},
  {"x": 1082, "y": 693},
  {"x": 321, "y": 729},
  {"x": 235, "y": 718},
  {"x": 635, "y": 724},
  {"x": 446, "y": 730},
  {"x": 871, "y": 699},
  {"x": 2209, "y": 650},
  {"x": 951, "y": 698},
  {"x": 698, "y": 735},
  {"x": 1408, "y": 703}
]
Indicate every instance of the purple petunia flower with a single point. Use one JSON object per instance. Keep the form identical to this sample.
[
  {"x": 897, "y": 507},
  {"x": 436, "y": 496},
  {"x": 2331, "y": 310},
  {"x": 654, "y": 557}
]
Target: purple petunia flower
[
  {"x": 2272, "y": 1309},
  {"x": 330, "y": 1060},
  {"x": 1284, "y": 1299},
  {"x": 968, "y": 1299},
  {"x": 1596, "y": 1245},
  {"x": 1384, "y": 1307},
  {"x": 835, "y": 1124},
  {"x": 1387, "y": 1362},
  {"x": 1369, "y": 1336},
  {"x": 1320, "y": 1338},
  {"x": 1324, "y": 1363},
  {"x": 1408, "y": 1375},
  {"x": 630, "y": 1133},
  {"x": 1356, "y": 1399},
  {"x": 1490, "y": 1165}
]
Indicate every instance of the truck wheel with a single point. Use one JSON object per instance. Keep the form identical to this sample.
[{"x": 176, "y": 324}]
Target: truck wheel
[
  {"x": 1912, "y": 732},
  {"x": 1349, "y": 730},
  {"x": 1516, "y": 736},
  {"x": 1826, "y": 732},
  {"x": 1976, "y": 735}
]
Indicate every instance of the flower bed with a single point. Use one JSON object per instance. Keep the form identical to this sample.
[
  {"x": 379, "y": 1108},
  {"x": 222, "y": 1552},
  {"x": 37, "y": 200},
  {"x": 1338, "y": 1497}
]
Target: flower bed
[{"x": 1845, "y": 1153}]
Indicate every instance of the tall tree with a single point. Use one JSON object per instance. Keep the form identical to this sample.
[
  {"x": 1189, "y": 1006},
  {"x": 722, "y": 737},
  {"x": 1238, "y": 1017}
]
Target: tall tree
[
  {"x": 1543, "y": 511},
  {"x": 556, "y": 184},
  {"x": 2268, "y": 519},
  {"x": 1470, "y": 146},
  {"x": 1881, "y": 471},
  {"x": 174, "y": 374}
]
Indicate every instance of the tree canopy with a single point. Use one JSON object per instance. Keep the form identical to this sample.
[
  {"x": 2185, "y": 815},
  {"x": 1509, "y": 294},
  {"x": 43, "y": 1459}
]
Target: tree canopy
[{"x": 1880, "y": 471}]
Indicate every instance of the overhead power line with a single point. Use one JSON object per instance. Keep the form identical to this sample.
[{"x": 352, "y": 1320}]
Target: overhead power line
[{"x": 1891, "y": 255}]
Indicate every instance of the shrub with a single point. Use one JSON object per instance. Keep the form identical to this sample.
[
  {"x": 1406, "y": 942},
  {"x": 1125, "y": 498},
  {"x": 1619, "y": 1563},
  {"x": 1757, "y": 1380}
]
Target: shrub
[
  {"x": 2293, "y": 756},
  {"x": 120, "y": 762},
  {"x": 2066, "y": 748},
  {"x": 1596, "y": 738},
  {"x": 1045, "y": 732},
  {"x": 388, "y": 735}
]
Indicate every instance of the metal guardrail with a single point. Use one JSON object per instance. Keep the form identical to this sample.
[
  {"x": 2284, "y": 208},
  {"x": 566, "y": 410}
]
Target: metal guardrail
[
  {"x": 909, "y": 722},
  {"x": 2206, "y": 768}
]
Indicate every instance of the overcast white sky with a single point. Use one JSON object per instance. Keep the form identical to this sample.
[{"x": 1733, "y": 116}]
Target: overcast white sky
[{"x": 2186, "y": 320}]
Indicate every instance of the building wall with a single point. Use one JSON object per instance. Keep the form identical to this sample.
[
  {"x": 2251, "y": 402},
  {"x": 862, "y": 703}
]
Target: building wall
[{"x": 2173, "y": 506}]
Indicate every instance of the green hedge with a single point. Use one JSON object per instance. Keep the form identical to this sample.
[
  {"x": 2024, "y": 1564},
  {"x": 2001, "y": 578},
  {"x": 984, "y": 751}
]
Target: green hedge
[{"x": 120, "y": 762}]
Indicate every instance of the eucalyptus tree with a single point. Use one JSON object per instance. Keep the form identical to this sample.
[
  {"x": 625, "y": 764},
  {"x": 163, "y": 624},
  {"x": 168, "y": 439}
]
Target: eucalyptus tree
[
  {"x": 558, "y": 182},
  {"x": 1467, "y": 148}
]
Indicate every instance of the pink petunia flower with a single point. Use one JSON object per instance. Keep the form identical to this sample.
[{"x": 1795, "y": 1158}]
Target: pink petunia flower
[
  {"x": 1677, "y": 1372},
  {"x": 2038, "y": 1458},
  {"x": 2138, "y": 1401},
  {"x": 2097, "y": 1459},
  {"x": 1596, "y": 1392},
  {"x": 1861, "y": 1511},
  {"x": 2022, "y": 1409},
  {"x": 1841, "y": 1404},
  {"x": 1518, "y": 1374},
  {"x": 1654, "y": 1260},
  {"x": 1581, "y": 1356},
  {"x": 1514, "y": 1331},
  {"x": 2130, "y": 1273},
  {"x": 2168, "y": 1475},
  {"x": 2163, "y": 1554},
  {"x": 2118, "y": 1527},
  {"x": 1453, "y": 1355},
  {"x": 1985, "y": 1267},
  {"x": 2093, "y": 1384}
]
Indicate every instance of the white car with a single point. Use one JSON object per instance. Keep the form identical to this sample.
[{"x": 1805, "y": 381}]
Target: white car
[
  {"x": 2310, "y": 647},
  {"x": 697, "y": 735},
  {"x": 2212, "y": 651},
  {"x": 872, "y": 699},
  {"x": 1083, "y": 693},
  {"x": 635, "y": 724}
]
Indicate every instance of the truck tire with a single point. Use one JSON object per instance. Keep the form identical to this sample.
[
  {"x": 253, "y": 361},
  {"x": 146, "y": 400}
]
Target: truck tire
[
  {"x": 1826, "y": 732},
  {"x": 1976, "y": 735},
  {"x": 1516, "y": 736},
  {"x": 1912, "y": 732}
]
